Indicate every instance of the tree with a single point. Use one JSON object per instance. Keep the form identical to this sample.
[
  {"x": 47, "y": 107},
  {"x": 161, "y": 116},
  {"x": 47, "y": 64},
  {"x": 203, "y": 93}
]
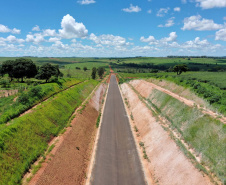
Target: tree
[
  {"x": 180, "y": 68},
  {"x": 58, "y": 72},
  {"x": 24, "y": 68},
  {"x": 46, "y": 71},
  {"x": 7, "y": 68},
  {"x": 84, "y": 68},
  {"x": 100, "y": 71},
  {"x": 19, "y": 68},
  {"x": 94, "y": 71}
]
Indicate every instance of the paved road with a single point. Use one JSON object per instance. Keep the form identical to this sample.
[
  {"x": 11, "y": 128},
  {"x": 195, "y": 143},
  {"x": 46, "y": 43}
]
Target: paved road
[{"x": 117, "y": 161}]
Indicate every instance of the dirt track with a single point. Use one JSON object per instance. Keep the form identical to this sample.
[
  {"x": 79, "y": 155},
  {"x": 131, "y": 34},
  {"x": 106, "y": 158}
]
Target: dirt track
[
  {"x": 117, "y": 160},
  {"x": 69, "y": 163}
]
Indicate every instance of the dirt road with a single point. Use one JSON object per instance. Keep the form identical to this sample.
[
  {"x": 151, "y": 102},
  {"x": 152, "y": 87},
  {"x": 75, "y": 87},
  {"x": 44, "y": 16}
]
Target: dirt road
[{"x": 117, "y": 160}]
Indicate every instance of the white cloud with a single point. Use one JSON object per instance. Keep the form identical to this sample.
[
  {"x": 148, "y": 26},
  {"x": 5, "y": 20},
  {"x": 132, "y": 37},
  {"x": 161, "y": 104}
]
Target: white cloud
[
  {"x": 109, "y": 40},
  {"x": 184, "y": 1},
  {"x": 149, "y": 39},
  {"x": 149, "y": 11},
  {"x": 11, "y": 39},
  {"x": 49, "y": 33},
  {"x": 172, "y": 37},
  {"x": 37, "y": 38},
  {"x": 53, "y": 39},
  {"x": 36, "y": 28},
  {"x": 207, "y": 4},
  {"x": 162, "y": 42},
  {"x": 169, "y": 23},
  {"x": 224, "y": 18},
  {"x": 71, "y": 28},
  {"x": 221, "y": 35},
  {"x": 132, "y": 9},
  {"x": 196, "y": 23},
  {"x": 86, "y": 2},
  {"x": 162, "y": 12},
  {"x": 177, "y": 9},
  {"x": 5, "y": 29}
]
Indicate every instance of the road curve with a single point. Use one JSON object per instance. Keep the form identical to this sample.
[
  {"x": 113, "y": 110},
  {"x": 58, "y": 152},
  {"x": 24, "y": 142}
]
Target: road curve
[{"x": 116, "y": 161}]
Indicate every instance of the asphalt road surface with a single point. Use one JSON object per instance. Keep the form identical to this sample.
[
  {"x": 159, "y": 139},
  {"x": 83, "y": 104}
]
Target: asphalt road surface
[{"x": 117, "y": 161}]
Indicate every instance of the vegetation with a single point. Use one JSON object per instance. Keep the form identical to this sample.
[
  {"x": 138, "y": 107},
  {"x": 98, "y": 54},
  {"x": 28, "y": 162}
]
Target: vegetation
[
  {"x": 22, "y": 142},
  {"x": 180, "y": 68},
  {"x": 202, "y": 132},
  {"x": 100, "y": 71},
  {"x": 11, "y": 107},
  {"x": 94, "y": 71}
]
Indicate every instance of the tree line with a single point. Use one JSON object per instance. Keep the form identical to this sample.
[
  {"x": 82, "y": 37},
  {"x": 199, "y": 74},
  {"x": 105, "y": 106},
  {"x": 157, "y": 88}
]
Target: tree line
[{"x": 25, "y": 68}]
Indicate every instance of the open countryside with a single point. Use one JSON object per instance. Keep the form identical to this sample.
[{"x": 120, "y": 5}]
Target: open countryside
[{"x": 106, "y": 93}]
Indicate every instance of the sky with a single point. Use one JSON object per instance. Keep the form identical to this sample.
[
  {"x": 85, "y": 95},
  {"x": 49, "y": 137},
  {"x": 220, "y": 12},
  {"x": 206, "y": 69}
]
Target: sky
[{"x": 112, "y": 28}]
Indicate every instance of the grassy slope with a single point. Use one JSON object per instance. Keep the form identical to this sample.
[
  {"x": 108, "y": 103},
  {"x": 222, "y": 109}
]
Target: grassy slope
[
  {"x": 26, "y": 139},
  {"x": 205, "y": 134},
  {"x": 10, "y": 109}
]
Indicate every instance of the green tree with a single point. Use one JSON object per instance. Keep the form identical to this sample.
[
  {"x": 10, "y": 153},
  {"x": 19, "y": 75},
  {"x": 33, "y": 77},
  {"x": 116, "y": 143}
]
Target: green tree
[
  {"x": 93, "y": 74},
  {"x": 100, "y": 72},
  {"x": 24, "y": 68},
  {"x": 58, "y": 72},
  {"x": 46, "y": 71},
  {"x": 85, "y": 68},
  {"x": 7, "y": 68},
  {"x": 180, "y": 68}
]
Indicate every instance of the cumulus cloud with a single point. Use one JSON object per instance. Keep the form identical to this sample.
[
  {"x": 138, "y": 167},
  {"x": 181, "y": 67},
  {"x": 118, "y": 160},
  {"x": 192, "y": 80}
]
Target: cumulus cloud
[
  {"x": 11, "y": 39},
  {"x": 152, "y": 41},
  {"x": 172, "y": 37},
  {"x": 149, "y": 39},
  {"x": 49, "y": 33},
  {"x": 53, "y": 39},
  {"x": 208, "y": 4},
  {"x": 169, "y": 23},
  {"x": 184, "y": 1},
  {"x": 86, "y": 2},
  {"x": 197, "y": 23},
  {"x": 162, "y": 12},
  {"x": 132, "y": 9},
  {"x": 71, "y": 28},
  {"x": 176, "y": 9},
  {"x": 221, "y": 34},
  {"x": 5, "y": 29},
  {"x": 37, "y": 38},
  {"x": 36, "y": 28},
  {"x": 109, "y": 40}
]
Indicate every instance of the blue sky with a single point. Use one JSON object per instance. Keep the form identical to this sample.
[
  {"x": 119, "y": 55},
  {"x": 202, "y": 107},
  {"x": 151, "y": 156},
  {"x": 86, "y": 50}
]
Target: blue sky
[{"x": 100, "y": 28}]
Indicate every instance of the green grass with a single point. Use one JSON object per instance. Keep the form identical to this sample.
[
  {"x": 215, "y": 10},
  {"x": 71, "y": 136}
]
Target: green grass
[
  {"x": 202, "y": 132},
  {"x": 22, "y": 142},
  {"x": 208, "y": 85},
  {"x": 10, "y": 109}
]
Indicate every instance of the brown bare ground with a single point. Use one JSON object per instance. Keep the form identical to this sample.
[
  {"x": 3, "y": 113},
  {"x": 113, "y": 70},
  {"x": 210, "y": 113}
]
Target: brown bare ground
[
  {"x": 145, "y": 88},
  {"x": 168, "y": 165},
  {"x": 70, "y": 159},
  {"x": 6, "y": 93}
]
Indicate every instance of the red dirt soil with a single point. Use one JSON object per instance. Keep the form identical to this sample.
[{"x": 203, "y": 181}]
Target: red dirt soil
[{"x": 71, "y": 158}]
